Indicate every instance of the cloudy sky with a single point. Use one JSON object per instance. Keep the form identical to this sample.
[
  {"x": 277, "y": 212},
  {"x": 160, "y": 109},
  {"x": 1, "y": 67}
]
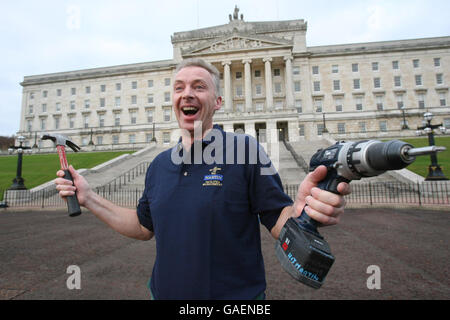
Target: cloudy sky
[{"x": 40, "y": 37}]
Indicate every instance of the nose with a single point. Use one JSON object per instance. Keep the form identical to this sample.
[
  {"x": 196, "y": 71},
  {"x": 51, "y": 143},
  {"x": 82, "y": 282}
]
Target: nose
[{"x": 187, "y": 93}]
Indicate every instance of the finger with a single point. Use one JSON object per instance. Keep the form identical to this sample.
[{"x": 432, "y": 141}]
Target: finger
[
  {"x": 344, "y": 188},
  {"x": 320, "y": 206},
  {"x": 317, "y": 175},
  {"x": 62, "y": 187},
  {"x": 327, "y": 197},
  {"x": 73, "y": 172},
  {"x": 62, "y": 181},
  {"x": 324, "y": 219},
  {"x": 60, "y": 173}
]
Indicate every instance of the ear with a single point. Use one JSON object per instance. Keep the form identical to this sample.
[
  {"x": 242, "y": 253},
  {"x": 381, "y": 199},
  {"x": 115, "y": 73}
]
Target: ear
[{"x": 218, "y": 104}]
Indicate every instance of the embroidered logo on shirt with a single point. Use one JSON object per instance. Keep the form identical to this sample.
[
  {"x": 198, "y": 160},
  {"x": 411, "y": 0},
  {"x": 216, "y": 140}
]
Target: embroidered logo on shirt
[{"x": 213, "y": 179}]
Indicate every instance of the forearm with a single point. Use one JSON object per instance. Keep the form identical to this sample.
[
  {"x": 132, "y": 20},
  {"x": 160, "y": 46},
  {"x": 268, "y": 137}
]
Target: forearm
[
  {"x": 122, "y": 220},
  {"x": 286, "y": 213}
]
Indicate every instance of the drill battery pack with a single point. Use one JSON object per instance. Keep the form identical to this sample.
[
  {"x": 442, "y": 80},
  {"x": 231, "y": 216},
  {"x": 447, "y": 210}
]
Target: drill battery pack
[{"x": 305, "y": 255}]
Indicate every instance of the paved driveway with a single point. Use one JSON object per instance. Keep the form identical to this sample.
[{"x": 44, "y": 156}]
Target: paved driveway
[{"x": 410, "y": 248}]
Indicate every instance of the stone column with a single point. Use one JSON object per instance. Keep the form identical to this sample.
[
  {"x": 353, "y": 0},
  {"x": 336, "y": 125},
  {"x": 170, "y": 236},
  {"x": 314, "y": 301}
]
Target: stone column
[
  {"x": 289, "y": 89},
  {"x": 248, "y": 84},
  {"x": 269, "y": 90},
  {"x": 227, "y": 85}
]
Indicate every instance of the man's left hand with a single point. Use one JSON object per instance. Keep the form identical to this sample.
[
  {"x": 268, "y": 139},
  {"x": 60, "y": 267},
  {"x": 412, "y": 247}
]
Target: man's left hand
[{"x": 323, "y": 206}]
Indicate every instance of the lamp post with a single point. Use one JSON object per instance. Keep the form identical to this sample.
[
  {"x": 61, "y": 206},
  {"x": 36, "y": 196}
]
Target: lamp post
[
  {"x": 325, "y": 130},
  {"x": 434, "y": 170},
  {"x": 404, "y": 124},
  {"x": 18, "y": 182},
  {"x": 153, "y": 135}
]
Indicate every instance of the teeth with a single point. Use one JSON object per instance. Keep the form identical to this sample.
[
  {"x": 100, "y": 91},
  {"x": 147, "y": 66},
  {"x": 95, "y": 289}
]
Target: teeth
[{"x": 189, "y": 108}]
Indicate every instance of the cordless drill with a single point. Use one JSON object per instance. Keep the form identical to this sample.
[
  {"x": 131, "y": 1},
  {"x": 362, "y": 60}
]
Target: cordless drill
[{"x": 300, "y": 248}]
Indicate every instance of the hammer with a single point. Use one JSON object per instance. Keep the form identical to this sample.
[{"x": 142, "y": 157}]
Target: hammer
[{"x": 61, "y": 142}]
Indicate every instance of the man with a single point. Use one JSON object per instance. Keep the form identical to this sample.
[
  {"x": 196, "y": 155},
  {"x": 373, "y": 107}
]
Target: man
[{"x": 204, "y": 211}]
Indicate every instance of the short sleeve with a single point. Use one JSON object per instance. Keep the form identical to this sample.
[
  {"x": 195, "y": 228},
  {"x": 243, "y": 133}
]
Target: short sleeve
[{"x": 143, "y": 207}]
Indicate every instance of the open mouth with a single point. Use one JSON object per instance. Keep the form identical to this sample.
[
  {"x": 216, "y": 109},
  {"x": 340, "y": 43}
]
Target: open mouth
[{"x": 189, "y": 111}]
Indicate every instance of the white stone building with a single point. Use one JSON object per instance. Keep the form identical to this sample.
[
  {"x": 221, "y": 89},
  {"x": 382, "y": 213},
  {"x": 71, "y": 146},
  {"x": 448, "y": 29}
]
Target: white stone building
[{"x": 273, "y": 86}]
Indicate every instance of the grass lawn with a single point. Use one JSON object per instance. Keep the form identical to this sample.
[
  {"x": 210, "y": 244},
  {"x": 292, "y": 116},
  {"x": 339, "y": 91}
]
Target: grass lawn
[
  {"x": 40, "y": 168},
  {"x": 420, "y": 166}
]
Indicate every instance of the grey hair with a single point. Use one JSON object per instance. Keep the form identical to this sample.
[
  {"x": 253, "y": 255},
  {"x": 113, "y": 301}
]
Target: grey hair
[{"x": 196, "y": 62}]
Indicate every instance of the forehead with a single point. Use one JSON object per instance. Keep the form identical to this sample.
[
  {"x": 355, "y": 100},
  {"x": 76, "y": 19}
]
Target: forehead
[{"x": 193, "y": 73}]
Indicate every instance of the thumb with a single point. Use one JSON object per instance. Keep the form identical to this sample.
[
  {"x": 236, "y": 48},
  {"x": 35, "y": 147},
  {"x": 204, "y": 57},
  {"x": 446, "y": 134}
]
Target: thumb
[
  {"x": 317, "y": 175},
  {"x": 73, "y": 172}
]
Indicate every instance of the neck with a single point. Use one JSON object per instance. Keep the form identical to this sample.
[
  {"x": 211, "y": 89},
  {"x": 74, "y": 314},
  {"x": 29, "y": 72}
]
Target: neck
[{"x": 188, "y": 137}]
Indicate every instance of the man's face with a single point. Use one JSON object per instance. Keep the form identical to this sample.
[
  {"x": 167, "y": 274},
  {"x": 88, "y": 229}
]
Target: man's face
[{"x": 194, "y": 98}]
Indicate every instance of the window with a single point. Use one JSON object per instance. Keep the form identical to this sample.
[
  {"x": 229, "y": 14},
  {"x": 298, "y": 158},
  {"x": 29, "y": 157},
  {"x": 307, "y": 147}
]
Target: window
[
  {"x": 376, "y": 83},
  {"x": 297, "y": 87},
  {"x": 71, "y": 122},
  {"x": 117, "y": 101},
  {"x": 44, "y": 94},
  {"x": 29, "y": 125},
  {"x": 73, "y": 91},
  {"x": 88, "y": 89},
  {"x": 166, "y": 137},
  {"x": 150, "y": 83},
  {"x": 383, "y": 126},
  {"x": 397, "y": 81},
  {"x": 132, "y": 138},
  {"x": 437, "y": 62},
  {"x": 415, "y": 63},
  {"x": 102, "y": 88},
  {"x": 44, "y": 107},
  {"x": 359, "y": 103},
  {"x": 150, "y": 98},
  {"x": 418, "y": 79},
  {"x": 238, "y": 75},
  {"x": 296, "y": 70},
  {"x": 257, "y": 73},
  {"x": 133, "y": 117},
  {"x": 149, "y": 115},
  {"x": 379, "y": 102},
  {"x": 149, "y": 137},
  {"x": 319, "y": 129},
  {"x": 259, "y": 106},
  {"x": 355, "y": 67},
  {"x": 117, "y": 119},
  {"x": 239, "y": 91},
  {"x": 338, "y": 104},
  {"x": 43, "y": 124},
  {"x": 115, "y": 139},
  {"x": 30, "y": 109},
  {"x": 167, "y": 82},
  {"x": 421, "y": 100},
  {"x": 334, "y": 68},
  {"x": 318, "y": 105},
  {"x": 277, "y": 87},
  {"x": 442, "y": 99},
  {"x": 99, "y": 139},
  {"x": 362, "y": 126},
  {"x": 101, "y": 120},
  {"x": 278, "y": 105},
  {"x": 133, "y": 84},
  {"x": 118, "y": 86},
  {"x": 58, "y": 92},
  {"x": 87, "y": 103},
  {"x": 166, "y": 96},
  {"x": 276, "y": 72},
  {"x": 57, "y": 121},
  {"x": 298, "y": 105},
  {"x": 58, "y": 106},
  {"x": 301, "y": 130},
  {"x": 86, "y": 121},
  {"x": 72, "y": 105},
  {"x": 336, "y": 85},
  {"x": 374, "y": 66},
  {"x": 341, "y": 127},
  {"x": 399, "y": 99},
  {"x": 31, "y": 95},
  {"x": 395, "y": 65},
  {"x": 239, "y": 107},
  {"x": 84, "y": 141},
  {"x": 316, "y": 85},
  {"x": 102, "y": 102},
  {"x": 134, "y": 99},
  {"x": 439, "y": 78},
  {"x": 356, "y": 84},
  {"x": 258, "y": 89},
  {"x": 166, "y": 114},
  {"x": 315, "y": 70}
]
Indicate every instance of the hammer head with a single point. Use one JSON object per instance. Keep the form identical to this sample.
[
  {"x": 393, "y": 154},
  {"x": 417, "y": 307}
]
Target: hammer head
[{"x": 61, "y": 140}]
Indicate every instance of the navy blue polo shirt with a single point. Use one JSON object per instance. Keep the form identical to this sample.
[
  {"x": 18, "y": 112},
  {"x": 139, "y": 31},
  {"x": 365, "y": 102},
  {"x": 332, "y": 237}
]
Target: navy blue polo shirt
[{"x": 204, "y": 207}]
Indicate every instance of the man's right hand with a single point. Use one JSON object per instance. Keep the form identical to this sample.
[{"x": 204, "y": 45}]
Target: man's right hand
[{"x": 66, "y": 188}]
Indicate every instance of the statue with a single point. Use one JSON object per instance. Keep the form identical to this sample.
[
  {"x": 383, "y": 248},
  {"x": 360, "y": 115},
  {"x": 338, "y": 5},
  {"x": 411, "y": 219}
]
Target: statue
[{"x": 236, "y": 13}]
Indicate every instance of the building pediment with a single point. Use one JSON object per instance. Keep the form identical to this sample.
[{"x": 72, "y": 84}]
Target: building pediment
[{"x": 236, "y": 43}]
